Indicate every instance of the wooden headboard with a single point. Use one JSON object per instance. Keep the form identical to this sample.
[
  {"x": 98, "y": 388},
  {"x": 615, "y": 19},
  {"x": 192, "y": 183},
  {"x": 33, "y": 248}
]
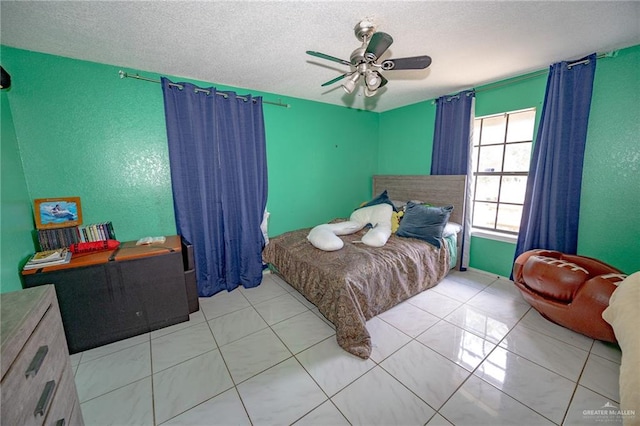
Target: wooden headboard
[{"x": 441, "y": 190}]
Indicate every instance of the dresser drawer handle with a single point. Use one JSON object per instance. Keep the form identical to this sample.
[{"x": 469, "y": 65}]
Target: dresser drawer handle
[
  {"x": 47, "y": 393},
  {"x": 60, "y": 422},
  {"x": 37, "y": 360}
]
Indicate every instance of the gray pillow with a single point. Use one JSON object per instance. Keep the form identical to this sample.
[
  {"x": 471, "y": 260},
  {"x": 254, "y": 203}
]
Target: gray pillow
[{"x": 424, "y": 222}]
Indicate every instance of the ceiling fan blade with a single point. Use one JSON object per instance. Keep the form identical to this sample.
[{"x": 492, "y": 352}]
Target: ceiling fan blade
[
  {"x": 330, "y": 82},
  {"x": 378, "y": 44},
  {"x": 384, "y": 81},
  {"x": 329, "y": 58},
  {"x": 413, "y": 63}
]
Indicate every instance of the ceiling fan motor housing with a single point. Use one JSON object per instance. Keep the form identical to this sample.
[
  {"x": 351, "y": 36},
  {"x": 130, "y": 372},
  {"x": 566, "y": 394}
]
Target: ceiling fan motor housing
[
  {"x": 357, "y": 56},
  {"x": 364, "y": 29}
]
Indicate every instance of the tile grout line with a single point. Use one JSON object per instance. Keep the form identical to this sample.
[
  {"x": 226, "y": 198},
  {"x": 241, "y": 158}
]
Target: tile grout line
[
  {"x": 300, "y": 364},
  {"x": 375, "y": 363},
  {"x": 153, "y": 395}
]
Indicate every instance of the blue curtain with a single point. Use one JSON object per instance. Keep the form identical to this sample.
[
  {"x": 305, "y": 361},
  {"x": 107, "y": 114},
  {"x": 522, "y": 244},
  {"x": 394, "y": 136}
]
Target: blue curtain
[
  {"x": 217, "y": 155},
  {"x": 451, "y": 146},
  {"x": 451, "y": 143},
  {"x": 552, "y": 200}
]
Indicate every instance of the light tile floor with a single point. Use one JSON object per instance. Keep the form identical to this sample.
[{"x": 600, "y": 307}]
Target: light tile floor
[{"x": 469, "y": 351}]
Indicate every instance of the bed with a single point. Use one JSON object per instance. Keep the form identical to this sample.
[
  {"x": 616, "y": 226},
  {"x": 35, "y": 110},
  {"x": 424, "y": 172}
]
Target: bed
[{"x": 358, "y": 282}]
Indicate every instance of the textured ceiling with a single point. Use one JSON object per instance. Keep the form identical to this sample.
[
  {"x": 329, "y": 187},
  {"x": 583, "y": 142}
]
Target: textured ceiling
[{"x": 261, "y": 45}]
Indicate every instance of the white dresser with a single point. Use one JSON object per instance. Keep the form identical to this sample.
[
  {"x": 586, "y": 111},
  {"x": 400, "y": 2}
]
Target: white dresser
[{"x": 37, "y": 385}]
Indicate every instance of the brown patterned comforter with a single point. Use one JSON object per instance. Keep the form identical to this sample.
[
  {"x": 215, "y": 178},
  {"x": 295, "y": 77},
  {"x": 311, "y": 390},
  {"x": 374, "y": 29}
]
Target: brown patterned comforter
[{"x": 357, "y": 282}]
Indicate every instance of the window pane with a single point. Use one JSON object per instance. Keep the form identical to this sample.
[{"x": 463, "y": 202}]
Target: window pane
[
  {"x": 513, "y": 189},
  {"x": 517, "y": 157},
  {"x": 521, "y": 126},
  {"x": 484, "y": 214},
  {"x": 509, "y": 218},
  {"x": 487, "y": 188},
  {"x": 490, "y": 158},
  {"x": 493, "y": 129}
]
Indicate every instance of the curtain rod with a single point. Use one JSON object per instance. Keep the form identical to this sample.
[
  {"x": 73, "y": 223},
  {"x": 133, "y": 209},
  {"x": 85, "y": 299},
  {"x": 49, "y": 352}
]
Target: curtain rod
[
  {"x": 124, "y": 74},
  {"x": 542, "y": 72},
  {"x": 534, "y": 74}
]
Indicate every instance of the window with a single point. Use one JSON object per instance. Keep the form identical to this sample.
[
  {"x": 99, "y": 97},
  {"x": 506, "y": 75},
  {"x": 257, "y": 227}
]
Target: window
[{"x": 501, "y": 155}]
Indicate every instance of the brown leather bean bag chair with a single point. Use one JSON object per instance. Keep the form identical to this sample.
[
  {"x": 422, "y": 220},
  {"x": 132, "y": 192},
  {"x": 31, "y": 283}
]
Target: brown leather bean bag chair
[{"x": 569, "y": 290}]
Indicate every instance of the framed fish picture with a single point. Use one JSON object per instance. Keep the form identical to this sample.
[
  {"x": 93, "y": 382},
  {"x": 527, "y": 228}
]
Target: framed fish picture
[{"x": 57, "y": 212}]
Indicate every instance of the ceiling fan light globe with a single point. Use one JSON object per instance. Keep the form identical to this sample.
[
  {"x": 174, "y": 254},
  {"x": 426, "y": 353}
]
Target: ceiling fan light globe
[
  {"x": 369, "y": 92},
  {"x": 372, "y": 80},
  {"x": 350, "y": 82},
  {"x": 348, "y": 86}
]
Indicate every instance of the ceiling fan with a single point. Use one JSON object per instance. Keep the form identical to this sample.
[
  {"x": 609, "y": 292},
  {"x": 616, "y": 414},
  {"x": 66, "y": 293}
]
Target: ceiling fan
[{"x": 364, "y": 60}]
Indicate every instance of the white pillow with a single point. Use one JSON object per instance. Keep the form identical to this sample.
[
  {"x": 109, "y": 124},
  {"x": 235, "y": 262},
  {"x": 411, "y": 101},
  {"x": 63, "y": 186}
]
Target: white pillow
[
  {"x": 325, "y": 236},
  {"x": 379, "y": 216},
  {"x": 346, "y": 228},
  {"x": 378, "y": 236},
  {"x": 451, "y": 228}
]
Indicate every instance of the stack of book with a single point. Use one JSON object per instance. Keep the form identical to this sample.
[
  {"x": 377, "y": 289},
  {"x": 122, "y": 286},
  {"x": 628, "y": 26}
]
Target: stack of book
[
  {"x": 52, "y": 239},
  {"x": 96, "y": 232},
  {"x": 44, "y": 259}
]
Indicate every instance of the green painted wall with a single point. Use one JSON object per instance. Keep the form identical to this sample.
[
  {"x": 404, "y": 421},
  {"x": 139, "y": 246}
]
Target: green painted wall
[
  {"x": 491, "y": 255},
  {"x": 16, "y": 223},
  {"x": 609, "y": 225},
  {"x": 81, "y": 130},
  {"x": 609, "y": 229},
  {"x": 85, "y": 132},
  {"x": 321, "y": 158},
  {"x": 406, "y": 139}
]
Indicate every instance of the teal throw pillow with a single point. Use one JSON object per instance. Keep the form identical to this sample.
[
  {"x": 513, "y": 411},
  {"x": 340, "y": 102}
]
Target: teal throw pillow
[{"x": 424, "y": 222}]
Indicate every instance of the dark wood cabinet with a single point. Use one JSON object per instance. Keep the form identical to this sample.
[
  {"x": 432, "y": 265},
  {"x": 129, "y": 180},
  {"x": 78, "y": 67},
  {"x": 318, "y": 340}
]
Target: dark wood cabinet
[
  {"x": 188, "y": 260},
  {"x": 113, "y": 295}
]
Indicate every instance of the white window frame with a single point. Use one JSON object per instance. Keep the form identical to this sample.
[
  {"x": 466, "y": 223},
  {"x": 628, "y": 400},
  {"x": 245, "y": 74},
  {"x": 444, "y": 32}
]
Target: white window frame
[{"x": 493, "y": 233}]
